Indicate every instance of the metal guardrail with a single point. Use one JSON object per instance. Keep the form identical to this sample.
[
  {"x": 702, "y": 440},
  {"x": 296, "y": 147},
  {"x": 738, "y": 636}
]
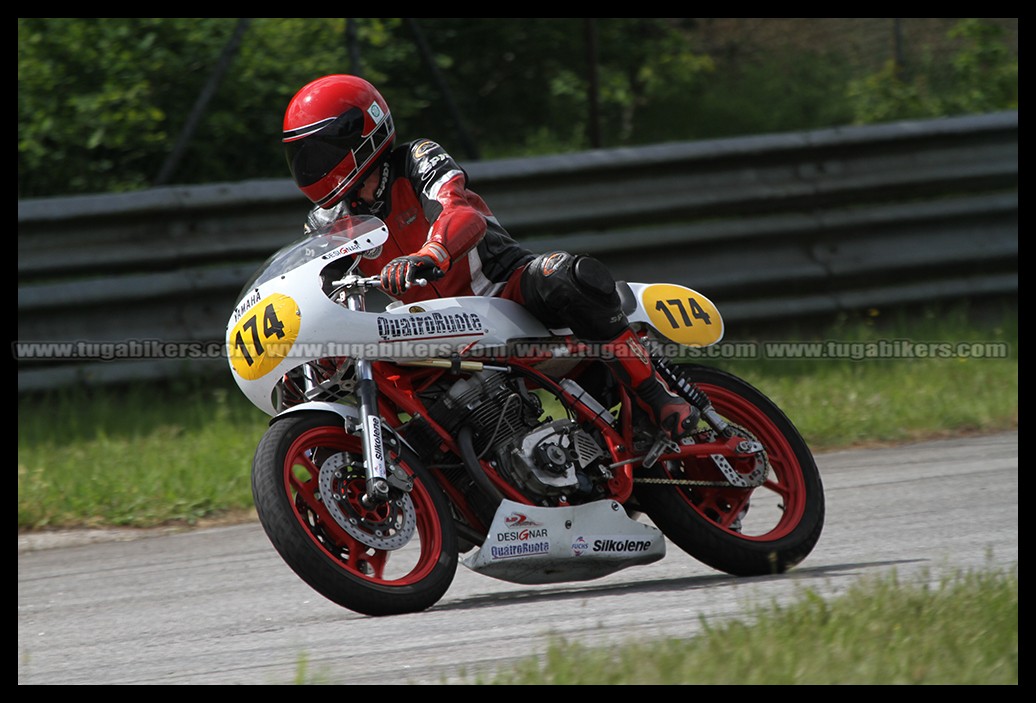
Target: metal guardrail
[{"x": 773, "y": 226}]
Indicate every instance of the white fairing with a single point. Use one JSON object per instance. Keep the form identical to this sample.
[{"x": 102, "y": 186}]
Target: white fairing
[
  {"x": 434, "y": 328},
  {"x": 535, "y": 545},
  {"x": 288, "y": 313}
]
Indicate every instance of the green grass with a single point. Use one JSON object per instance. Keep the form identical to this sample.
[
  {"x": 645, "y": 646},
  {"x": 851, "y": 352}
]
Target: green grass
[
  {"x": 133, "y": 457},
  {"x": 145, "y": 456},
  {"x": 843, "y": 402},
  {"x": 960, "y": 630}
]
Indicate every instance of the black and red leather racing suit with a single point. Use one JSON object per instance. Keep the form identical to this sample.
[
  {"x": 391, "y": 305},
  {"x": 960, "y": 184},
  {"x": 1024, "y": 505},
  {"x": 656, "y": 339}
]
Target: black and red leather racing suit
[{"x": 423, "y": 196}]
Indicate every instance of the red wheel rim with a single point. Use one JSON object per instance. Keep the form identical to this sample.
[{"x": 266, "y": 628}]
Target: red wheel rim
[
  {"x": 784, "y": 482},
  {"x": 401, "y": 567}
]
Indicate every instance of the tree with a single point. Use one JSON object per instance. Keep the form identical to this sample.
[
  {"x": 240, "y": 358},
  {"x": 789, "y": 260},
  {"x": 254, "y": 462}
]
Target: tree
[
  {"x": 981, "y": 76},
  {"x": 103, "y": 102}
]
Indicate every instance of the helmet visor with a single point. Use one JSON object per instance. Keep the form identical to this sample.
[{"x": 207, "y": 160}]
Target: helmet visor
[
  {"x": 313, "y": 154},
  {"x": 314, "y": 151}
]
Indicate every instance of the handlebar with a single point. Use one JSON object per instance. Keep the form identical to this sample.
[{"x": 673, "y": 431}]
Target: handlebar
[{"x": 354, "y": 281}]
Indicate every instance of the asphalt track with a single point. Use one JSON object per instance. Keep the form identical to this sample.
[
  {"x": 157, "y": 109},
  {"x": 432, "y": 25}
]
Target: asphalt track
[{"x": 218, "y": 606}]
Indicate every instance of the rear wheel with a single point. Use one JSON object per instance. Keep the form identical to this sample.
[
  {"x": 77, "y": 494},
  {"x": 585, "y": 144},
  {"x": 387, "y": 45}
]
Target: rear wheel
[
  {"x": 767, "y": 525},
  {"x": 395, "y": 557}
]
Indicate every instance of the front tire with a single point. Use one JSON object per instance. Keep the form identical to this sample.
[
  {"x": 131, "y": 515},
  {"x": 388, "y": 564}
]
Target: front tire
[
  {"x": 736, "y": 530},
  {"x": 414, "y": 557}
]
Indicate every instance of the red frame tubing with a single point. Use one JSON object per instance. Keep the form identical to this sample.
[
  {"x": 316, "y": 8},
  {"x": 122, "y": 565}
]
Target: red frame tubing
[
  {"x": 404, "y": 401},
  {"x": 398, "y": 396}
]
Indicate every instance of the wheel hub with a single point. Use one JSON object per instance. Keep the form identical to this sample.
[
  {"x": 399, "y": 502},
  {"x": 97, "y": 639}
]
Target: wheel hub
[{"x": 386, "y": 526}]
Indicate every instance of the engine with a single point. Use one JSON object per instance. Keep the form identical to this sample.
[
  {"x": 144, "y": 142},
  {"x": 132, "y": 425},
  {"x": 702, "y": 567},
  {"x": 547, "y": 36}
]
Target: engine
[
  {"x": 541, "y": 456},
  {"x": 553, "y": 459}
]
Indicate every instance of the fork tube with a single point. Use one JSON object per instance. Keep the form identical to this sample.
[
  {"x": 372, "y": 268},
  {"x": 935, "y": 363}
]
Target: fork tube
[{"x": 373, "y": 449}]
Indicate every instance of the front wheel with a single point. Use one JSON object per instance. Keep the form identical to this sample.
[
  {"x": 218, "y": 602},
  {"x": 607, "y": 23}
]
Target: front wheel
[
  {"x": 386, "y": 559},
  {"x": 762, "y": 528}
]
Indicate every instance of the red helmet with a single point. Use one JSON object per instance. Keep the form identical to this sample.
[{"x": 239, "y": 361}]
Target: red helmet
[{"x": 335, "y": 131}]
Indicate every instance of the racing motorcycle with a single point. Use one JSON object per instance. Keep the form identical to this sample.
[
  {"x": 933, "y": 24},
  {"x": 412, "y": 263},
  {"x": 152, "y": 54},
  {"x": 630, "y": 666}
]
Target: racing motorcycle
[{"x": 412, "y": 438}]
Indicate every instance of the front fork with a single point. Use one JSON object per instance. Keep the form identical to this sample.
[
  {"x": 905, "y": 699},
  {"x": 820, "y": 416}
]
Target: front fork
[{"x": 374, "y": 466}]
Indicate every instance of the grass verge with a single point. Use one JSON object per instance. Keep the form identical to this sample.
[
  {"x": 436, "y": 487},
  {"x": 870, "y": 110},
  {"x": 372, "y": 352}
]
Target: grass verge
[{"x": 960, "y": 630}]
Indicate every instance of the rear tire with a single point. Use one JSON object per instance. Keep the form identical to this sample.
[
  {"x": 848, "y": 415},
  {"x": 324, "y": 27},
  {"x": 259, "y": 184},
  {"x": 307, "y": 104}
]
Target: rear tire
[
  {"x": 418, "y": 559},
  {"x": 715, "y": 524}
]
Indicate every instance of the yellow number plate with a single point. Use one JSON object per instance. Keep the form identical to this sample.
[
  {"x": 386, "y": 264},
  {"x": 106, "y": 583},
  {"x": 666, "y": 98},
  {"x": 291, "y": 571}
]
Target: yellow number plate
[
  {"x": 682, "y": 315},
  {"x": 263, "y": 336}
]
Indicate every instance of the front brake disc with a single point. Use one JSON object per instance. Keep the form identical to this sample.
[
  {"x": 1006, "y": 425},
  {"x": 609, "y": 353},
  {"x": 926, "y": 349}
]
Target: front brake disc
[{"x": 386, "y": 526}]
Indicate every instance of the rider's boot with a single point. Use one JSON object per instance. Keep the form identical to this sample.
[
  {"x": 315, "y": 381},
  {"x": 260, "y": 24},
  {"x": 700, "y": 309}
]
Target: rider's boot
[{"x": 632, "y": 363}]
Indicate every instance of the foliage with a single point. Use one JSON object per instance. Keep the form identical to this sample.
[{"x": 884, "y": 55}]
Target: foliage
[
  {"x": 981, "y": 77},
  {"x": 784, "y": 90},
  {"x": 103, "y": 102}
]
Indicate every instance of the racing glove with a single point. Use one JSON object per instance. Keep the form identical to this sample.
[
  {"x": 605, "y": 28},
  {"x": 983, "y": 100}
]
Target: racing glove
[{"x": 430, "y": 261}]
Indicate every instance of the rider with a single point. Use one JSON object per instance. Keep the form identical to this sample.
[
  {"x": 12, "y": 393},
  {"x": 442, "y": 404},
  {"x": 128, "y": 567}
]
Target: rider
[{"x": 340, "y": 142}]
